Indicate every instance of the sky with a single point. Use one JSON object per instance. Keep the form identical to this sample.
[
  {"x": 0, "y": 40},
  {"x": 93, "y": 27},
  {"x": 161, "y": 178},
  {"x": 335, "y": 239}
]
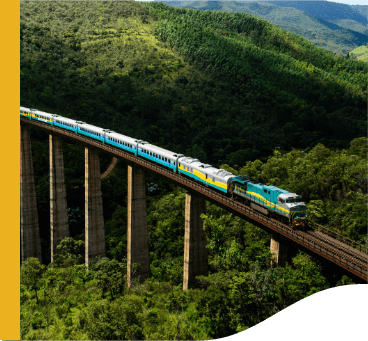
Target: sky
[
  {"x": 348, "y": 2},
  {"x": 352, "y": 2}
]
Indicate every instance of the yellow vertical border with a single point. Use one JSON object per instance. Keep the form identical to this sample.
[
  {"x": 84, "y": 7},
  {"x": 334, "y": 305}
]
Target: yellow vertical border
[{"x": 9, "y": 168}]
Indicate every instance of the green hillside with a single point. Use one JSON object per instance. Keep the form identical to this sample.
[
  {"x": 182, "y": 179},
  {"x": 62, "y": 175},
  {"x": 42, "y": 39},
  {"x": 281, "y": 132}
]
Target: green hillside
[
  {"x": 231, "y": 89},
  {"x": 326, "y": 34},
  {"x": 351, "y": 25},
  {"x": 361, "y": 53}
]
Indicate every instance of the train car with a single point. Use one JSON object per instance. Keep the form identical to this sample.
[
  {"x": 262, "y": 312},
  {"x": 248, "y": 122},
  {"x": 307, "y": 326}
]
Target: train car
[
  {"x": 26, "y": 112},
  {"x": 210, "y": 176},
  {"x": 37, "y": 115},
  {"x": 65, "y": 123},
  {"x": 43, "y": 116},
  {"x": 90, "y": 131},
  {"x": 159, "y": 155},
  {"x": 121, "y": 141},
  {"x": 270, "y": 200}
]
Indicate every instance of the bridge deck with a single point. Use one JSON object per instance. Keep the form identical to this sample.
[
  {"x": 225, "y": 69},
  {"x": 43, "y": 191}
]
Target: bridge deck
[{"x": 314, "y": 242}]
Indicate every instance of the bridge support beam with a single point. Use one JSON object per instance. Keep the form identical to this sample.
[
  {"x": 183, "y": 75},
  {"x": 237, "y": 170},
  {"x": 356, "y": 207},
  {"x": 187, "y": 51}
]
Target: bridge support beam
[
  {"x": 137, "y": 247},
  {"x": 195, "y": 251},
  {"x": 59, "y": 219},
  {"x": 279, "y": 250},
  {"x": 94, "y": 221},
  {"x": 30, "y": 234}
]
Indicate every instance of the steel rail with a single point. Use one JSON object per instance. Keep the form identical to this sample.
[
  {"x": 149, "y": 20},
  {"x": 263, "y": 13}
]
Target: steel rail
[
  {"x": 354, "y": 262},
  {"x": 345, "y": 240}
]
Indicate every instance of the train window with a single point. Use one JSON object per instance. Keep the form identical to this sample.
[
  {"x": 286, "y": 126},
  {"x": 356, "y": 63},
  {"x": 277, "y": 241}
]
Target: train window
[
  {"x": 264, "y": 191},
  {"x": 269, "y": 192}
]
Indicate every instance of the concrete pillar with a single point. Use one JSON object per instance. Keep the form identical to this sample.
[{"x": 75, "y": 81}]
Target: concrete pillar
[
  {"x": 94, "y": 221},
  {"x": 59, "y": 219},
  {"x": 30, "y": 234},
  {"x": 279, "y": 250},
  {"x": 195, "y": 251},
  {"x": 137, "y": 225}
]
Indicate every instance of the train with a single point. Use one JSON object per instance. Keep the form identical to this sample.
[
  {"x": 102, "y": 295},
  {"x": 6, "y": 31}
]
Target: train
[{"x": 272, "y": 201}]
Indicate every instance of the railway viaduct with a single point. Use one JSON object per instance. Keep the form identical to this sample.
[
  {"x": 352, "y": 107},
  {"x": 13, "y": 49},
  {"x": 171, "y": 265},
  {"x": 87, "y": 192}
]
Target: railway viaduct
[{"x": 319, "y": 241}]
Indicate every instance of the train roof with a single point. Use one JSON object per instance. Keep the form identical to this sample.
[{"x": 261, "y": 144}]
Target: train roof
[
  {"x": 90, "y": 127},
  {"x": 288, "y": 195},
  {"x": 36, "y": 111},
  {"x": 25, "y": 109},
  {"x": 42, "y": 113},
  {"x": 254, "y": 182},
  {"x": 121, "y": 137},
  {"x": 65, "y": 119},
  {"x": 158, "y": 150},
  {"x": 205, "y": 167}
]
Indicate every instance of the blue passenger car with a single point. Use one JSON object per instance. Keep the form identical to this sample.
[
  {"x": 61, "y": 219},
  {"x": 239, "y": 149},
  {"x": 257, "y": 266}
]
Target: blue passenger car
[
  {"x": 159, "y": 155},
  {"x": 65, "y": 123},
  {"x": 121, "y": 141},
  {"x": 90, "y": 131}
]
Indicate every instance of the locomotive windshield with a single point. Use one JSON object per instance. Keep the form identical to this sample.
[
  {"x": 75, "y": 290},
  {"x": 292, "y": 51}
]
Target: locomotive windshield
[{"x": 294, "y": 200}]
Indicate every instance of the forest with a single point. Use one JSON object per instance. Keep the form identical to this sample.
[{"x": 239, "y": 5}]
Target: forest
[
  {"x": 335, "y": 27},
  {"x": 230, "y": 89}
]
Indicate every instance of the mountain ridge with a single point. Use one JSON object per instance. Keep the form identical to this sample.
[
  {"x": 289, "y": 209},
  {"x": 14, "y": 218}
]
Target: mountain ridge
[{"x": 323, "y": 33}]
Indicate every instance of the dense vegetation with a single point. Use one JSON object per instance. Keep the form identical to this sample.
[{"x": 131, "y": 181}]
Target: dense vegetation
[
  {"x": 64, "y": 301},
  {"x": 274, "y": 106}
]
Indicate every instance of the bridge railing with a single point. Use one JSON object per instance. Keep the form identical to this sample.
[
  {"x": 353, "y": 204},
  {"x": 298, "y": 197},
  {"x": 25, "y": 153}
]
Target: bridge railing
[{"x": 341, "y": 238}]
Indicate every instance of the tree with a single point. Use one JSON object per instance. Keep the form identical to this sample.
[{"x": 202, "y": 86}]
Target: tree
[
  {"x": 119, "y": 320},
  {"x": 110, "y": 274},
  {"x": 31, "y": 274},
  {"x": 359, "y": 147},
  {"x": 69, "y": 252}
]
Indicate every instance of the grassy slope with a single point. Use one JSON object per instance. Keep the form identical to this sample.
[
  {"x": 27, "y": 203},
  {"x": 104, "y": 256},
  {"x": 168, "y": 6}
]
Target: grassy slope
[{"x": 361, "y": 52}]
